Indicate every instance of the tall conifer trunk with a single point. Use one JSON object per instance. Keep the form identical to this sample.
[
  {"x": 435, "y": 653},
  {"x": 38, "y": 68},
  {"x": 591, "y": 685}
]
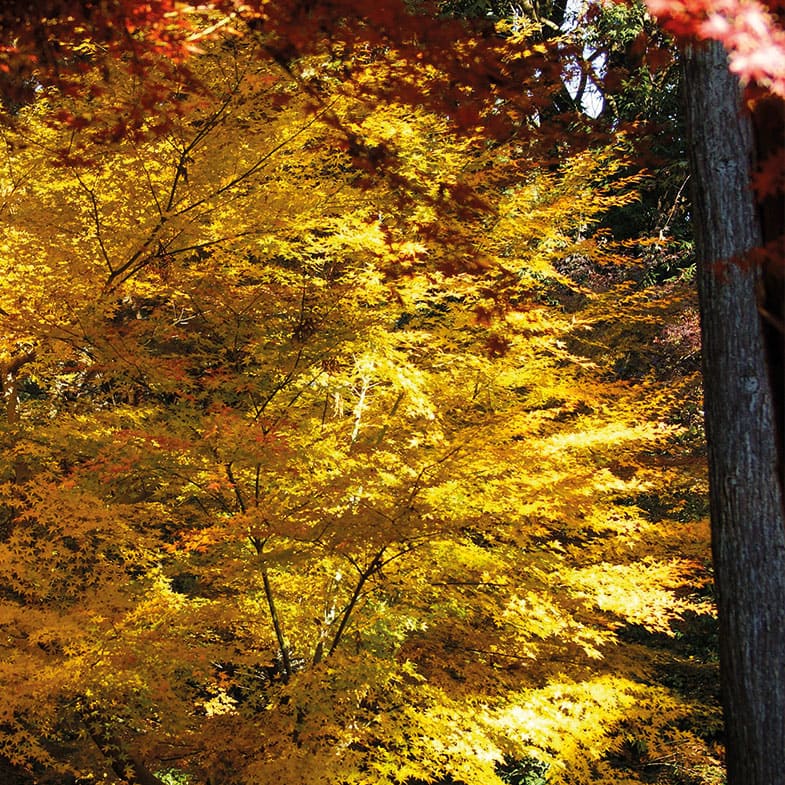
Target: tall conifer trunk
[{"x": 748, "y": 522}]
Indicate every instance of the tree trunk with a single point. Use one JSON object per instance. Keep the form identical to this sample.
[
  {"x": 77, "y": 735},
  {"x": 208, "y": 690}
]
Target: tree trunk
[
  {"x": 128, "y": 767},
  {"x": 747, "y": 510}
]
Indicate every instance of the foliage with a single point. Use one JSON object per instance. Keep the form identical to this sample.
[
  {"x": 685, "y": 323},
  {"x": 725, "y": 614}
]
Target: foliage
[
  {"x": 751, "y": 31},
  {"x": 317, "y": 465},
  {"x": 528, "y": 771}
]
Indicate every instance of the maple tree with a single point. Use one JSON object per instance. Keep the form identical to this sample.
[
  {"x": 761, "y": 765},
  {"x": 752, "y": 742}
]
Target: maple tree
[{"x": 284, "y": 499}]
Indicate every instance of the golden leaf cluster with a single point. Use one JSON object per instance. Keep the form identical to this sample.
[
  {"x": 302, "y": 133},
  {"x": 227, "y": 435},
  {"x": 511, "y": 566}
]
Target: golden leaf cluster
[{"x": 322, "y": 474}]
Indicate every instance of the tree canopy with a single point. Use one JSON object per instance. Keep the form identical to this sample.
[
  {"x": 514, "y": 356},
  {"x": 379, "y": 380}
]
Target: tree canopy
[{"x": 346, "y": 436}]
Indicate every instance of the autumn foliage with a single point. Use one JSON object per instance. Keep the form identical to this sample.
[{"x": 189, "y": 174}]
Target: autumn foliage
[{"x": 327, "y": 453}]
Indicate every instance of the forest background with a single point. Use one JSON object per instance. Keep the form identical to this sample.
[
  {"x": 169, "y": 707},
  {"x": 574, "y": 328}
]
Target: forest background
[{"x": 352, "y": 414}]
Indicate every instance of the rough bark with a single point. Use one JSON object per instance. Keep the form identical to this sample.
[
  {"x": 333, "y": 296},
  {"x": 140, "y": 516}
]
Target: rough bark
[{"x": 748, "y": 523}]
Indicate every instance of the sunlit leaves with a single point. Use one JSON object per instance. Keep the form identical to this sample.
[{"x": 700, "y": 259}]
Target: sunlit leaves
[{"x": 319, "y": 469}]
